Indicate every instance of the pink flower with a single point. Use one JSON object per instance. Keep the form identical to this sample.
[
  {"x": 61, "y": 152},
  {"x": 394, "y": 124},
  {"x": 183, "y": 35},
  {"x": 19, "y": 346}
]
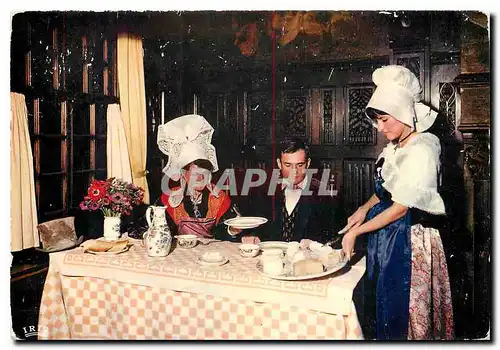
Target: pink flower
[
  {"x": 117, "y": 197},
  {"x": 83, "y": 206},
  {"x": 94, "y": 206}
]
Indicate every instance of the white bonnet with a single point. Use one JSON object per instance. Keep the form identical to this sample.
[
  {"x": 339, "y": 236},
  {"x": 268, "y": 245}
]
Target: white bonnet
[
  {"x": 399, "y": 93},
  {"x": 186, "y": 139}
]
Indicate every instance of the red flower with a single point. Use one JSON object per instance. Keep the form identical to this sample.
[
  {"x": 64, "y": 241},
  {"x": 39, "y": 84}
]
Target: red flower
[
  {"x": 101, "y": 183},
  {"x": 97, "y": 190},
  {"x": 95, "y": 193}
]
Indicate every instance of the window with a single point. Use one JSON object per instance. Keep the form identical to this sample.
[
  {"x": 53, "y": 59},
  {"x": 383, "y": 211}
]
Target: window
[{"x": 69, "y": 81}]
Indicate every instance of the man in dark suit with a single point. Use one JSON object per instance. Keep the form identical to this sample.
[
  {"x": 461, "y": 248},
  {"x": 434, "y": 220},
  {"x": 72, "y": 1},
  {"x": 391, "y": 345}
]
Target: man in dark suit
[{"x": 301, "y": 210}]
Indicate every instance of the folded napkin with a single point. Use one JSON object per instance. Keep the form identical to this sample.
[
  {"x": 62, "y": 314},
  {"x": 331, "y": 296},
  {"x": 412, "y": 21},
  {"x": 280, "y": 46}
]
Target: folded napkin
[
  {"x": 200, "y": 227},
  {"x": 101, "y": 246}
]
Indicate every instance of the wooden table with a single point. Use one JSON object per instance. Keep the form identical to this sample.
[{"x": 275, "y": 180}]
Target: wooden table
[{"x": 133, "y": 296}]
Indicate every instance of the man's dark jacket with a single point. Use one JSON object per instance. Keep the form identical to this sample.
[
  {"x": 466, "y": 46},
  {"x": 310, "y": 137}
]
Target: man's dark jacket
[{"x": 318, "y": 217}]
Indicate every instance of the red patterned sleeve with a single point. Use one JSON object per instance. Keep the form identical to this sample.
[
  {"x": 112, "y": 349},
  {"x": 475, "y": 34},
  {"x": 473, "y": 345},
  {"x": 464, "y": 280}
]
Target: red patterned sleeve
[{"x": 224, "y": 207}]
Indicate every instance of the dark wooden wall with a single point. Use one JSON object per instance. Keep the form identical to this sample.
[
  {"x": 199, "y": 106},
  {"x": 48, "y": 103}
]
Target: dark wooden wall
[{"x": 320, "y": 96}]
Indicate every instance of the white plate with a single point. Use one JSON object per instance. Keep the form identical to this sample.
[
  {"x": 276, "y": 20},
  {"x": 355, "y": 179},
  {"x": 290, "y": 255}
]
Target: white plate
[
  {"x": 108, "y": 253},
  {"x": 244, "y": 222},
  {"x": 329, "y": 271},
  {"x": 274, "y": 245},
  {"x": 204, "y": 262}
]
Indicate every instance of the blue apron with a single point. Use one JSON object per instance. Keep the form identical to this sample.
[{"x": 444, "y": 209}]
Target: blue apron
[{"x": 389, "y": 269}]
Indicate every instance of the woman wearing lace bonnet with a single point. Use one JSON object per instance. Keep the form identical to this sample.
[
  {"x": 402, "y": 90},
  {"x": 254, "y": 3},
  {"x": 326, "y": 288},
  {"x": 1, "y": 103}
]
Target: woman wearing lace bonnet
[
  {"x": 194, "y": 205},
  {"x": 408, "y": 284}
]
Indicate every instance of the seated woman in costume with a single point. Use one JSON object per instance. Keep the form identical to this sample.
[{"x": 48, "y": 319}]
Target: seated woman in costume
[{"x": 194, "y": 205}]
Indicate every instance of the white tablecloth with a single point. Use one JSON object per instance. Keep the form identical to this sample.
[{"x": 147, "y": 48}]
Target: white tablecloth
[{"x": 133, "y": 296}]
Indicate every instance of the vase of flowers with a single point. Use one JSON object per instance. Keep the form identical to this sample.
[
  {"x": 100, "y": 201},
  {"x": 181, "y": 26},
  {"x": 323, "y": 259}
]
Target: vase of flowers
[{"x": 114, "y": 197}]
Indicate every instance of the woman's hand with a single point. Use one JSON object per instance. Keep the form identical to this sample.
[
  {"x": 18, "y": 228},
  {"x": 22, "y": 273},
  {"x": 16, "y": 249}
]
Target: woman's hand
[
  {"x": 348, "y": 243},
  {"x": 233, "y": 231},
  {"x": 355, "y": 219},
  {"x": 250, "y": 240}
]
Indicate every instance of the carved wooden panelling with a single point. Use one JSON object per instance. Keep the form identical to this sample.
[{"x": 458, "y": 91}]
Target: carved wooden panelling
[
  {"x": 293, "y": 118},
  {"x": 359, "y": 129},
  {"x": 412, "y": 63},
  {"x": 221, "y": 111},
  {"x": 477, "y": 155},
  {"x": 220, "y": 115},
  {"x": 475, "y": 48},
  {"x": 209, "y": 108},
  {"x": 231, "y": 116},
  {"x": 447, "y": 103},
  {"x": 475, "y": 104},
  {"x": 329, "y": 170},
  {"x": 328, "y": 132},
  {"x": 415, "y": 62},
  {"x": 358, "y": 183},
  {"x": 259, "y": 117}
]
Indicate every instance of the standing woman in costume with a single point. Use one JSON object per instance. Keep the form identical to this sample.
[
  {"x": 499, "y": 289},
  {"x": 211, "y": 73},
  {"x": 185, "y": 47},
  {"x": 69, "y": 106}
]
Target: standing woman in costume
[{"x": 409, "y": 290}]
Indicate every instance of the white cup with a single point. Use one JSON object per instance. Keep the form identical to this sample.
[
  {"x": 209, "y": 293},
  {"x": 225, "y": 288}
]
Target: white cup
[
  {"x": 273, "y": 252},
  {"x": 186, "y": 241},
  {"x": 248, "y": 250}
]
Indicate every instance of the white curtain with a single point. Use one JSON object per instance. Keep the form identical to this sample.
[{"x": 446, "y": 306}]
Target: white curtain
[
  {"x": 23, "y": 231},
  {"x": 118, "y": 162},
  {"x": 133, "y": 104}
]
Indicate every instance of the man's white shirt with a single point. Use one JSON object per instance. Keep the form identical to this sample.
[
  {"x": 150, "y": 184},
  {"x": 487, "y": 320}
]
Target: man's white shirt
[{"x": 292, "y": 195}]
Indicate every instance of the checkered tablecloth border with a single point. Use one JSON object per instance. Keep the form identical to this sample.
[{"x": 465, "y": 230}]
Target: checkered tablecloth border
[{"x": 94, "y": 308}]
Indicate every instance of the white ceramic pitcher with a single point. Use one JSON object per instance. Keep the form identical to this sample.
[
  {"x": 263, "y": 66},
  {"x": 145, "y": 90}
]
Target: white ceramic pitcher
[{"x": 158, "y": 238}]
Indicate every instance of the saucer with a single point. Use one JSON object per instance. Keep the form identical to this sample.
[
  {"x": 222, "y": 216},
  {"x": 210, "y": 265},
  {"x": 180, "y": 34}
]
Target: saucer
[{"x": 204, "y": 262}]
